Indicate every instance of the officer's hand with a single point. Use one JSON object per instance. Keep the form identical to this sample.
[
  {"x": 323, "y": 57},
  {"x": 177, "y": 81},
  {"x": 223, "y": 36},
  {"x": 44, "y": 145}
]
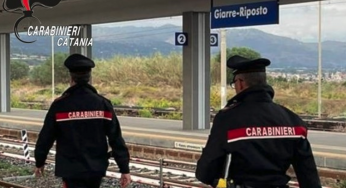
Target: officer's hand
[
  {"x": 125, "y": 180},
  {"x": 39, "y": 171}
]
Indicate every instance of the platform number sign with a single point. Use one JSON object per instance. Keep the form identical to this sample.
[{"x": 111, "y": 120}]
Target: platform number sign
[
  {"x": 181, "y": 39},
  {"x": 214, "y": 39}
]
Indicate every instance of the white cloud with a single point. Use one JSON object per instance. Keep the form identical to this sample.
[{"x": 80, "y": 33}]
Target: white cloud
[
  {"x": 298, "y": 21},
  {"x": 301, "y": 21}
]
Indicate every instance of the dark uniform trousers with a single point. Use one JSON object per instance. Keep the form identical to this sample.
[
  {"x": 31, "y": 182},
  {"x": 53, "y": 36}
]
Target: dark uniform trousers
[{"x": 82, "y": 182}]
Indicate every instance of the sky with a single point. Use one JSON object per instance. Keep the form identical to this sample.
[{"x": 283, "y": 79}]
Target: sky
[{"x": 297, "y": 21}]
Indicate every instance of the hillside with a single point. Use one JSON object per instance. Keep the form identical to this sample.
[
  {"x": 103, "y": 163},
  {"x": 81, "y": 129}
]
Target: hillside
[{"x": 142, "y": 41}]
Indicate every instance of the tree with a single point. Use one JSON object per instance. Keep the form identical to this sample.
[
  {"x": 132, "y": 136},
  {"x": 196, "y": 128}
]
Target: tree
[
  {"x": 19, "y": 70},
  {"x": 242, "y": 51},
  {"x": 42, "y": 74}
]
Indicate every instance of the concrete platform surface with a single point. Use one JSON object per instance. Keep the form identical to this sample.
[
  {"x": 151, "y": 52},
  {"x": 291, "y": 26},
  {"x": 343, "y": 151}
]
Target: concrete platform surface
[{"x": 329, "y": 147}]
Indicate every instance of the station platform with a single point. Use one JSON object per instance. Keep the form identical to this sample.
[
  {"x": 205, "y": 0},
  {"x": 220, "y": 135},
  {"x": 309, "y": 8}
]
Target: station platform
[{"x": 329, "y": 147}]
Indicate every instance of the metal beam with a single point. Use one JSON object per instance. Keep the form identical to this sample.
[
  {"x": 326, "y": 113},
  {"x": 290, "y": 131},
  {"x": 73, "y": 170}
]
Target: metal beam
[
  {"x": 5, "y": 100},
  {"x": 196, "y": 71},
  {"x": 84, "y": 50},
  {"x": 107, "y": 11}
]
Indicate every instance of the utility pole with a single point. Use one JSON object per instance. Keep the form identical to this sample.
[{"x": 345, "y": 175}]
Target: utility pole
[
  {"x": 319, "y": 61},
  {"x": 223, "y": 69},
  {"x": 53, "y": 82}
]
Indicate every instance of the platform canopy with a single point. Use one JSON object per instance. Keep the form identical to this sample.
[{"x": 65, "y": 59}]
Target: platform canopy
[{"x": 69, "y": 12}]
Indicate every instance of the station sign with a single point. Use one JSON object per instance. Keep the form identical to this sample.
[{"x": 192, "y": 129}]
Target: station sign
[
  {"x": 261, "y": 13},
  {"x": 181, "y": 39},
  {"x": 188, "y": 146},
  {"x": 214, "y": 39}
]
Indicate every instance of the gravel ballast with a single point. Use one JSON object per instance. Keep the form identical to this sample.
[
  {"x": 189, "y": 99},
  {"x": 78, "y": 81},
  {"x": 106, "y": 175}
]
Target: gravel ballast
[{"x": 11, "y": 168}]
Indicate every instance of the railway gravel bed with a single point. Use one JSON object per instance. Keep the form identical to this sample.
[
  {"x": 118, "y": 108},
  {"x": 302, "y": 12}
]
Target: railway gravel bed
[{"x": 11, "y": 168}]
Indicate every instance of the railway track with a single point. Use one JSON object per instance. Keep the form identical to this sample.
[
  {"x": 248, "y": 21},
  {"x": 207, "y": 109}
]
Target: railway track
[
  {"x": 11, "y": 185},
  {"x": 313, "y": 123},
  {"x": 140, "y": 173},
  {"x": 144, "y": 171},
  {"x": 172, "y": 173}
]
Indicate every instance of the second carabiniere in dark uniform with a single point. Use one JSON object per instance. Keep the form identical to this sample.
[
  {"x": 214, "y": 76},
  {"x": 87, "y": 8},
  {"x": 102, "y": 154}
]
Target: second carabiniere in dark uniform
[
  {"x": 263, "y": 138},
  {"x": 80, "y": 122}
]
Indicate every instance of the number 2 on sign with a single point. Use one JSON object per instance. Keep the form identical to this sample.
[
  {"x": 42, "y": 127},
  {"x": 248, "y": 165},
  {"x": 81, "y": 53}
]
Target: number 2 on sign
[{"x": 182, "y": 39}]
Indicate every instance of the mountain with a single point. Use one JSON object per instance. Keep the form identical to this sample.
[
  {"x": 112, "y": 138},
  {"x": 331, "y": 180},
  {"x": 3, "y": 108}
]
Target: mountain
[
  {"x": 288, "y": 53},
  {"x": 142, "y": 41}
]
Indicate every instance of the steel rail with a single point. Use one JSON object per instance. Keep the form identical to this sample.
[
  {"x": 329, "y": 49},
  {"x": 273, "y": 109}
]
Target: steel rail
[
  {"x": 155, "y": 164},
  {"x": 10, "y": 185}
]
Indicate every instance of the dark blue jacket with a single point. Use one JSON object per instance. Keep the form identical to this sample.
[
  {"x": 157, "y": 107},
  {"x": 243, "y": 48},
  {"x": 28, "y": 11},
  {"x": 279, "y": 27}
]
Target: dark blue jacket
[
  {"x": 80, "y": 122},
  {"x": 264, "y": 139}
]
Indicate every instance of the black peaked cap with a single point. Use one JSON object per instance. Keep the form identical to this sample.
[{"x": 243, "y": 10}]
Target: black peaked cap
[
  {"x": 241, "y": 64},
  {"x": 79, "y": 63}
]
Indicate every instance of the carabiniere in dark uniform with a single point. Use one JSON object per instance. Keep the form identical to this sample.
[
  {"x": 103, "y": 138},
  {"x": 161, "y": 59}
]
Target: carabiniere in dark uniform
[
  {"x": 263, "y": 138},
  {"x": 79, "y": 121}
]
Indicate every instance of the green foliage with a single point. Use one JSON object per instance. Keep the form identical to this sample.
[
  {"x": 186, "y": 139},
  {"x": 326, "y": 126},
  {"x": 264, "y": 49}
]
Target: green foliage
[
  {"x": 19, "y": 70},
  {"x": 215, "y": 99},
  {"x": 156, "y": 70},
  {"x": 158, "y": 103},
  {"x": 156, "y": 82},
  {"x": 174, "y": 115},
  {"x": 19, "y": 171},
  {"x": 344, "y": 84},
  {"x": 145, "y": 113},
  {"x": 5, "y": 165},
  {"x": 16, "y": 103},
  {"x": 42, "y": 74},
  {"x": 116, "y": 101},
  {"x": 342, "y": 184},
  {"x": 60, "y": 88},
  {"x": 312, "y": 107},
  {"x": 47, "y": 92},
  {"x": 242, "y": 51}
]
